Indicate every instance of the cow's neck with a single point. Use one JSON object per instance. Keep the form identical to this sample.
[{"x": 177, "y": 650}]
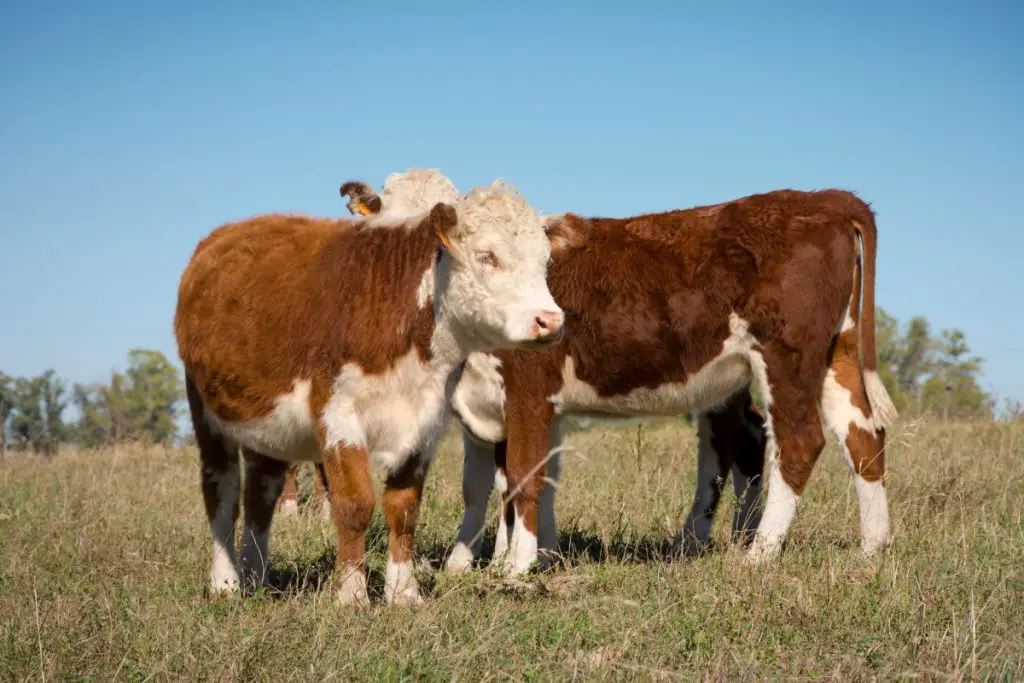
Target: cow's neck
[{"x": 450, "y": 342}]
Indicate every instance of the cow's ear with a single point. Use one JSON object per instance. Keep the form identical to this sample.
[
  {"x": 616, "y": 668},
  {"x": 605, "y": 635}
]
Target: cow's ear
[
  {"x": 364, "y": 200},
  {"x": 565, "y": 231},
  {"x": 444, "y": 221}
]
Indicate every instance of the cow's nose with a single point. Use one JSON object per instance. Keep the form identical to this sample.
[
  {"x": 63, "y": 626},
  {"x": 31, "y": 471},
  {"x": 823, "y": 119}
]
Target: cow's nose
[{"x": 549, "y": 324}]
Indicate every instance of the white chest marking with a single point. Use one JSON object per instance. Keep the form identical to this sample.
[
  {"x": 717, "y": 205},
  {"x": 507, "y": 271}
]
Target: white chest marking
[{"x": 392, "y": 416}]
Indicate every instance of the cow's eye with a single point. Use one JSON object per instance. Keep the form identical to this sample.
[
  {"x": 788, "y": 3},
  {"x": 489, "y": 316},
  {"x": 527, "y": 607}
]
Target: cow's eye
[{"x": 487, "y": 258}]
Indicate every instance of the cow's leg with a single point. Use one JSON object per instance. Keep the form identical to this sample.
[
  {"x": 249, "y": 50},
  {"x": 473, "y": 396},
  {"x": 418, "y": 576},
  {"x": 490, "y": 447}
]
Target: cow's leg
[
  {"x": 547, "y": 525},
  {"x": 288, "y": 504},
  {"x": 728, "y": 436},
  {"x": 747, "y": 478},
  {"x": 506, "y": 519},
  {"x": 747, "y": 441},
  {"x": 220, "y": 483},
  {"x": 795, "y": 439},
  {"x": 529, "y": 430},
  {"x": 352, "y": 500},
  {"x": 264, "y": 479},
  {"x": 323, "y": 493},
  {"x": 712, "y": 468},
  {"x": 844, "y": 403},
  {"x": 478, "y": 472},
  {"x": 403, "y": 492}
]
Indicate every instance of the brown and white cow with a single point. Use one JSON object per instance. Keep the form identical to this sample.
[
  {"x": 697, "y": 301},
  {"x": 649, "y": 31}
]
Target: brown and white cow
[
  {"x": 340, "y": 342},
  {"x": 679, "y": 312}
]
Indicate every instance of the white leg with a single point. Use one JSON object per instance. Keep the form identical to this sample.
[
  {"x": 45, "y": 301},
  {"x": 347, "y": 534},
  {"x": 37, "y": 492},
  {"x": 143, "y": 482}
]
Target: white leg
[
  {"x": 842, "y": 417},
  {"x": 477, "y": 480},
  {"x": 353, "y": 587},
  {"x": 224, "y": 572},
  {"x": 504, "y": 534},
  {"x": 522, "y": 552},
  {"x": 696, "y": 529},
  {"x": 400, "y": 585},
  {"x": 874, "y": 515},
  {"x": 779, "y": 510}
]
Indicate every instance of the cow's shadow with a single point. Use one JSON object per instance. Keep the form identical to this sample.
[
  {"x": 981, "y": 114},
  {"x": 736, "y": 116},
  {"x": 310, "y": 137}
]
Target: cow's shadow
[{"x": 577, "y": 546}]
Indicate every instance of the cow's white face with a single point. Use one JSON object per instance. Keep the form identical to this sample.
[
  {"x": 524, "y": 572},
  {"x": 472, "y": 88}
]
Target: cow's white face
[{"x": 495, "y": 284}]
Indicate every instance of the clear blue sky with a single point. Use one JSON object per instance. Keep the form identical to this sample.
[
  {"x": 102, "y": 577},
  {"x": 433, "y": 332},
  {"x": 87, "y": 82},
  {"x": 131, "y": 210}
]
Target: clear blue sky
[{"x": 128, "y": 130}]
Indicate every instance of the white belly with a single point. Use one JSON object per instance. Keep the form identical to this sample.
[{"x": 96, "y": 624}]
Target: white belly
[{"x": 391, "y": 416}]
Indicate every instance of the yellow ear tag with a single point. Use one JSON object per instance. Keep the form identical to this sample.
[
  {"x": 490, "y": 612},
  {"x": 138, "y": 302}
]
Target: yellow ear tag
[
  {"x": 364, "y": 209},
  {"x": 444, "y": 240}
]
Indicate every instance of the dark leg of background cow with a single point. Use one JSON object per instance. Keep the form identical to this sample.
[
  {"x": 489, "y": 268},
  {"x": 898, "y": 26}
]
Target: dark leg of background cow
[
  {"x": 750, "y": 439},
  {"x": 728, "y": 437},
  {"x": 264, "y": 479},
  {"x": 479, "y": 471}
]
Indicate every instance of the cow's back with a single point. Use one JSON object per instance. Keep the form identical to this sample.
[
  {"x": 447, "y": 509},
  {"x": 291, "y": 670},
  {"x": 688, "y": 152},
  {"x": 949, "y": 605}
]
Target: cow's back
[{"x": 244, "y": 311}]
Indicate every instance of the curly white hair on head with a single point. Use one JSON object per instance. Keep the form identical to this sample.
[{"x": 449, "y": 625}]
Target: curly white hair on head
[
  {"x": 415, "y": 191},
  {"x": 497, "y": 204}
]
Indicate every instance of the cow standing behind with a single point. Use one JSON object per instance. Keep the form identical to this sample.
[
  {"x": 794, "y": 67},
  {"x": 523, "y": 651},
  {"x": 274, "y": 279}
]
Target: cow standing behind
[
  {"x": 680, "y": 312},
  {"x": 340, "y": 342}
]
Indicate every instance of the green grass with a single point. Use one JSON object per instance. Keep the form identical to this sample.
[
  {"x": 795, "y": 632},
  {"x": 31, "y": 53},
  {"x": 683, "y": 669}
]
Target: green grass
[{"x": 104, "y": 559}]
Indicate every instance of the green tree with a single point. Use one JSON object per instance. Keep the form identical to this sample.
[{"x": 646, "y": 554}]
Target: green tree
[
  {"x": 53, "y": 396},
  {"x": 6, "y": 407},
  {"x": 889, "y": 351},
  {"x": 140, "y": 404},
  {"x": 102, "y": 414},
  {"x": 27, "y": 428},
  {"x": 952, "y": 389},
  {"x": 37, "y": 422},
  {"x": 916, "y": 355},
  {"x": 153, "y": 393}
]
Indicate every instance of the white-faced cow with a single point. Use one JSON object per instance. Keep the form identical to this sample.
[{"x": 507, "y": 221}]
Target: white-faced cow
[
  {"x": 681, "y": 312},
  {"x": 307, "y": 339}
]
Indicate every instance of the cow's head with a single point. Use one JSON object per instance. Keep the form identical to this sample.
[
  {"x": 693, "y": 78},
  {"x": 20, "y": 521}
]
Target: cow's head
[
  {"x": 494, "y": 283},
  {"x": 498, "y": 273}
]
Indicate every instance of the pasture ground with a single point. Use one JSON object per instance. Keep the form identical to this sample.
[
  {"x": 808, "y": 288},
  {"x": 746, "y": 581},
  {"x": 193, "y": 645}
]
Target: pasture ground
[{"x": 104, "y": 559}]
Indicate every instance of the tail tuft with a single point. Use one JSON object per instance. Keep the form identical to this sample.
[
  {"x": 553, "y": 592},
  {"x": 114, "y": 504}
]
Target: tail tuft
[{"x": 883, "y": 412}]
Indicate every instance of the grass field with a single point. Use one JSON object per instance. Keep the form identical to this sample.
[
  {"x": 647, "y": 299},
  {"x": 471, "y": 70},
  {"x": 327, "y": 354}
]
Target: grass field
[{"x": 104, "y": 559}]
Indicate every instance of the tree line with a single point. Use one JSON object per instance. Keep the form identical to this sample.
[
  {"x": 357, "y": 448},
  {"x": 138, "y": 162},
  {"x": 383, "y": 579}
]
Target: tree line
[
  {"x": 926, "y": 374},
  {"x": 140, "y": 404}
]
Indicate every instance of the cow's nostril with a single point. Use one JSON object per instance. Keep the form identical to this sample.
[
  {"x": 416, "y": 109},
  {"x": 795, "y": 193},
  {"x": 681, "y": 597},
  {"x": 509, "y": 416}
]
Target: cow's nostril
[{"x": 548, "y": 323}]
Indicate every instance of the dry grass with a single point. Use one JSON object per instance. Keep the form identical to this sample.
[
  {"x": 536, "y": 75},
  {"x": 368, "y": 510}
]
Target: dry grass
[{"x": 104, "y": 558}]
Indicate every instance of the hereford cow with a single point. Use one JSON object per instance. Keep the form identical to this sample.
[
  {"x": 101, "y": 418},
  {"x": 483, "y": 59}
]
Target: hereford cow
[
  {"x": 680, "y": 312},
  {"x": 405, "y": 194},
  {"x": 307, "y": 339}
]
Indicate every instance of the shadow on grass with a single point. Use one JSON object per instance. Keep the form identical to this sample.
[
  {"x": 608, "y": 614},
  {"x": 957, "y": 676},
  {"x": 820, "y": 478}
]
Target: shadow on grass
[{"x": 290, "y": 578}]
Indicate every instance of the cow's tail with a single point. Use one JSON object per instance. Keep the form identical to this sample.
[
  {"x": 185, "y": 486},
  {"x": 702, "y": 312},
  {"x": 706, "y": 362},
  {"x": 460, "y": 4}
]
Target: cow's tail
[{"x": 883, "y": 412}]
